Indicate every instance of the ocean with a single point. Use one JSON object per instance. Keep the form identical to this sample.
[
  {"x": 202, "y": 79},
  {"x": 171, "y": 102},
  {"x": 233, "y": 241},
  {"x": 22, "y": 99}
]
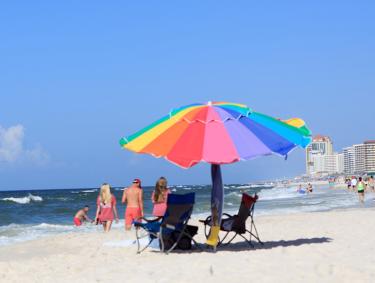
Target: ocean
[{"x": 28, "y": 215}]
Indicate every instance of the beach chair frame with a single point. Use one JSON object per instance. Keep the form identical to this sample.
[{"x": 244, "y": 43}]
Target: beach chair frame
[
  {"x": 248, "y": 234},
  {"x": 155, "y": 228}
]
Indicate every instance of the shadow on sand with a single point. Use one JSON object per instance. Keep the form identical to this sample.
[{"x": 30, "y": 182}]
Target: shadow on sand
[{"x": 243, "y": 246}]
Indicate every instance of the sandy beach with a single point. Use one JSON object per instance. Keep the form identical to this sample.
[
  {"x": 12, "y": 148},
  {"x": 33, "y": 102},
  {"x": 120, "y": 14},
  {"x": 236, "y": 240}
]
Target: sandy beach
[{"x": 313, "y": 247}]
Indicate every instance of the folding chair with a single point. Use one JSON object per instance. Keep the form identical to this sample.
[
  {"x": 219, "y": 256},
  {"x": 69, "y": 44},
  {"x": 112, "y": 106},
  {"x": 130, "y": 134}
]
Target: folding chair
[
  {"x": 172, "y": 230},
  {"x": 237, "y": 223}
]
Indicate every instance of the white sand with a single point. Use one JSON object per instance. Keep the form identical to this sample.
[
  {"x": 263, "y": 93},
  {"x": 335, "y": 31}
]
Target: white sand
[{"x": 316, "y": 247}]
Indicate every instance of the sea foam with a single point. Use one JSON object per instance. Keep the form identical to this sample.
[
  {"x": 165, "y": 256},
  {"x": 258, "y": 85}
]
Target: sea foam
[{"x": 24, "y": 200}]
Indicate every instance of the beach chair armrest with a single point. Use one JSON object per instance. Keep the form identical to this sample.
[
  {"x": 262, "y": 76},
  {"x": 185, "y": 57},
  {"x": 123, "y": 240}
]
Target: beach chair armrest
[
  {"x": 228, "y": 215},
  {"x": 150, "y": 220},
  {"x": 206, "y": 221}
]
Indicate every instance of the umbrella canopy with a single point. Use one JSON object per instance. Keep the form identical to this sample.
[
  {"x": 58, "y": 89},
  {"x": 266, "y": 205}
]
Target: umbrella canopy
[{"x": 217, "y": 133}]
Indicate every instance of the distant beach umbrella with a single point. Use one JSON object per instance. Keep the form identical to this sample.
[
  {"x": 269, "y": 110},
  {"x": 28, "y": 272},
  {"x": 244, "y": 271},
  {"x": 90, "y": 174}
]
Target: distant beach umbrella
[{"x": 217, "y": 133}]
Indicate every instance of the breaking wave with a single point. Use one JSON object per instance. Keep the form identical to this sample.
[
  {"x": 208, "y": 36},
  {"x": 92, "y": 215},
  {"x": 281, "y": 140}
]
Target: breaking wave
[{"x": 24, "y": 200}]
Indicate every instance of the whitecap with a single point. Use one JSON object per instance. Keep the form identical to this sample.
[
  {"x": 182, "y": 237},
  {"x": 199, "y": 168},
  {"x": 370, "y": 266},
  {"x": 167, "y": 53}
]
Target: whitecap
[
  {"x": 89, "y": 191},
  {"x": 24, "y": 200},
  {"x": 244, "y": 187}
]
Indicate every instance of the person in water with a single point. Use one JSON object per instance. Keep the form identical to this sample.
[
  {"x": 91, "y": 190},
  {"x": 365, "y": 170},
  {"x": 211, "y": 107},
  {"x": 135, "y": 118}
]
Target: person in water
[
  {"x": 133, "y": 197},
  {"x": 159, "y": 197},
  {"x": 81, "y": 216},
  {"x": 106, "y": 208},
  {"x": 309, "y": 188},
  {"x": 300, "y": 189},
  {"x": 361, "y": 187}
]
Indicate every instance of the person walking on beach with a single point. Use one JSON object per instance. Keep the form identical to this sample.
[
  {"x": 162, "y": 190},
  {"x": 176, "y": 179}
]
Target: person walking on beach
[
  {"x": 81, "y": 216},
  {"x": 371, "y": 183},
  {"x": 133, "y": 197},
  {"x": 159, "y": 197},
  {"x": 361, "y": 186},
  {"x": 349, "y": 183},
  {"x": 106, "y": 208},
  {"x": 354, "y": 183}
]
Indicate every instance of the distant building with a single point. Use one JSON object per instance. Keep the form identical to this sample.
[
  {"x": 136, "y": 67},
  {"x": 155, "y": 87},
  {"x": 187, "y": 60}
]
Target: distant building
[
  {"x": 359, "y": 158},
  {"x": 340, "y": 163},
  {"x": 370, "y": 157},
  {"x": 320, "y": 158},
  {"x": 349, "y": 163}
]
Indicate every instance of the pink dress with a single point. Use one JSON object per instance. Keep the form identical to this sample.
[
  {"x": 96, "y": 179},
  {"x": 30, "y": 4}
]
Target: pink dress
[
  {"x": 106, "y": 210},
  {"x": 160, "y": 207}
]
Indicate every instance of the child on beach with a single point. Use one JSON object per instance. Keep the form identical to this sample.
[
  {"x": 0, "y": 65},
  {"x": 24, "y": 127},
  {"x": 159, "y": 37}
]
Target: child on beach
[
  {"x": 106, "y": 208},
  {"x": 361, "y": 186},
  {"x": 133, "y": 196},
  {"x": 159, "y": 197},
  {"x": 81, "y": 216}
]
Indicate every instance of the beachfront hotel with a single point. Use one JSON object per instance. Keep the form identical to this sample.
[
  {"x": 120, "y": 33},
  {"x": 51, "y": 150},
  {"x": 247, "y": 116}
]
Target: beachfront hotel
[
  {"x": 321, "y": 158},
  {"x": 357, "y": 159},
  {"x": 360, "y": 158}
]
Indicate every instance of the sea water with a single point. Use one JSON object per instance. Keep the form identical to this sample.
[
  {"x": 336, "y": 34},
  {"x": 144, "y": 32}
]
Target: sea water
[{"x": 27, "y": 215}]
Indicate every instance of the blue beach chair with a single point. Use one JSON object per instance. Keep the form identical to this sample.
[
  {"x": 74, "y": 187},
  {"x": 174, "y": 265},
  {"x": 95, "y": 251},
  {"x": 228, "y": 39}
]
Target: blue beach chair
[{"x": 172, "y": 230}]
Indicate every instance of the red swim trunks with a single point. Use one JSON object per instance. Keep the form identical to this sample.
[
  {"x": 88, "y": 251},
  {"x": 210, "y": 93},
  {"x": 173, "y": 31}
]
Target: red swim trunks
[
  {"x": 131, "y": 214},
  {"x": 77, "y": 221}
]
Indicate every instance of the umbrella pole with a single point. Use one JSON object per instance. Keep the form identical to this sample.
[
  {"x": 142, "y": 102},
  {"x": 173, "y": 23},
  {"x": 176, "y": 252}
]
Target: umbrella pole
[
  {"x": 217, "y": 201},
  {"x": 217, "y": 194}
]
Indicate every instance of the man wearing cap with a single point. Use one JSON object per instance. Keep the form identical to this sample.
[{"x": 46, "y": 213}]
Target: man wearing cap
[{"x": 133, "y": 197}]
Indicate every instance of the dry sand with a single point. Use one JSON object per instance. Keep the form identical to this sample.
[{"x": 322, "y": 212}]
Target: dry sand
[{"x": 334, "y": 246}]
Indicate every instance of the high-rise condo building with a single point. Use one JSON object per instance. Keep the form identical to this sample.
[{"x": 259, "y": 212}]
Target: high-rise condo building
[
  {"x": 349, "y": 160},
  {"x": 320, "y": 158},
  {"x": 359, "y": 158},
  {"x": 370, "y": 157}
]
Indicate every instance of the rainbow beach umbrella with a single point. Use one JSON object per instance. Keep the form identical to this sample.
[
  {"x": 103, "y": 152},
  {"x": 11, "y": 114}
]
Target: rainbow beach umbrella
[{"x": 217, "y": 133}]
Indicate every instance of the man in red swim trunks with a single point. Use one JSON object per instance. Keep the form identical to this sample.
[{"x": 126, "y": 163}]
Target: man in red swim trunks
[
  {"x": 81, "y": 216},
  {"x": 133, "y": 196}
]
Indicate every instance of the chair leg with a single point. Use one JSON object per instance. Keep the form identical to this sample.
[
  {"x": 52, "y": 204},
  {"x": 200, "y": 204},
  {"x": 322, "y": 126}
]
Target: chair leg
[
  {"x": 161, "y": 241},
  {"x": 222, "y": 241},
  {"x": 247, "y": 241},
  {"x": 149, "y": 243},
  {"x": 139, "y": 250},
  {"x": 230, "y": 241},
  {"x": 182, "y": 233},
  {"x": 256, "y": 235},
  {"x": 196, "y": 243}
]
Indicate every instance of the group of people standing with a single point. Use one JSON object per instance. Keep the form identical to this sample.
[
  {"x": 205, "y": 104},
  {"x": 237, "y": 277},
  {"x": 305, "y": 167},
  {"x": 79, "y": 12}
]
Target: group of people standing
[
  {"x": 132, "y": 197},
  {"x": 361, "y": 186}
]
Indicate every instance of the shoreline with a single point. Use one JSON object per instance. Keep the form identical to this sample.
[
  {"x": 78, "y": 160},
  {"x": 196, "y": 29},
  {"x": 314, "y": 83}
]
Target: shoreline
[
  {"x": 306, "y": 247},
  {"x": 275, "y": 201}
]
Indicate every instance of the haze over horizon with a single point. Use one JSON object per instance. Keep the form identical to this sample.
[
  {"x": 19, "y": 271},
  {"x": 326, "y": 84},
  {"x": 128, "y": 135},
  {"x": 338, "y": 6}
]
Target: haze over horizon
[{"x": 76, "y": 77}]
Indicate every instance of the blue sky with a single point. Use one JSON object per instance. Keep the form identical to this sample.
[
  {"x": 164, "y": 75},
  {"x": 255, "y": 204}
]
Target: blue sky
[{"x": 76, "y": 77}]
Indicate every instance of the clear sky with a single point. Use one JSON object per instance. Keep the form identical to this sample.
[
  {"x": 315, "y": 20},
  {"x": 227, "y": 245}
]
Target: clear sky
[{"x": 76, "y": 76}]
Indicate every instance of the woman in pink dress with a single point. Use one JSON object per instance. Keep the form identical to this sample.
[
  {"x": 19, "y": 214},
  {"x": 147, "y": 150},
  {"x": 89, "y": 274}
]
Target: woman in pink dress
[
  {"x": 159, "y": 197},
  {"x": 106, "y": 208}
]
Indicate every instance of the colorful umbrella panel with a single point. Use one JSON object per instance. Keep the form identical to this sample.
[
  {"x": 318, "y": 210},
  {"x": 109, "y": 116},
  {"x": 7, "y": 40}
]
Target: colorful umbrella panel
[{"x": 217, "y": 133}]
